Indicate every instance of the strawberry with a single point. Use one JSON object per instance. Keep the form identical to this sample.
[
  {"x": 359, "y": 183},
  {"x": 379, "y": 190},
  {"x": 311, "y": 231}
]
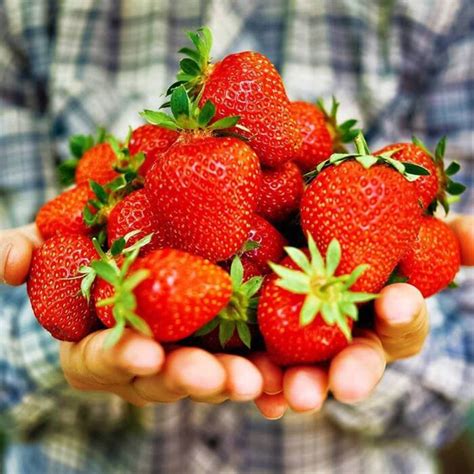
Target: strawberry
[
  {"x": 435, "y": 186},
  {"x": 54, "y": 287},
  {"x": 434, "y": 258},
  {"x": 168, "y": 293},
  {"x": 322, "y": 136},
  {"x": 305, "y": 312},
  {"x": 369, "y": 206},
  {"x": 152, "y": 141},
  {"x": 97, "y": 164},
  {"x": 134, "y": 213},
  {"x": 248, "y": 85},
  {"x": 205, "y": 186},
  {"x": 280, "y": 192},
  {"x": 64, "y": 214},
  {"x": 270, "y": 244}
]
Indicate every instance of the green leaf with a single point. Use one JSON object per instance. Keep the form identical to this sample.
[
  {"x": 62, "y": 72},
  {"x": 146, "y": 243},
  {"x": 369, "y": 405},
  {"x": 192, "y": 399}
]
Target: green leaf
[
  {"x": 206, "y": 114},
  {"x": 453, "y": 168},
  {"x": 317, "y": 262},
  {"x": 135, "y": 279},
  {"x": 416, "y": 170},
  {"x": 89, "y": 217},
  {"x": 330, "y": 313},
  {"x": 189, "y": 66},
  {"x": 249, "y": 246},
  {"x": 117, "y": 247},
  {"x": 207, "y": 37},
  {"x": 139, "y": 324},
  {"x": 366, "y": 160},
  {"x": 355, "y": 275},
  {"x": 226, "y": 329},
  {"x": 191, "y": 53},
  {"x": 139, "y": 244},
  {"x": 297, "y": 287},
  {"x": 159, "y": 118},
  {"x": 87, "y": 281},
  {"x": 359, "y": 297},
  {"x": 236, "y": 272},
  {"x": 114, "y": 335},
  {"x": 288, "y": 275},
  {"x": 67, "y": 171},
  {"x": 99, "y": 191},
  {"x": 310, "y": 309},
  {"x": 455, "y": 188},
  {"x": 207, "y": 328},
  {"x": 299, "y": 258},
  {"x": 416, "y": 141},
  {"x": 244, "y": 333},
  {"x": 349, "y": 309},
  {"x": 251, "y": 286},
  {"x": 333, "y": 257},
  {"x": 453, "y": 285},
  {"x": 180, "y": 105},
  {"x": 79, "y": 144},
  {"x": 227, "y": 122},
  {"x": 347, "y": 125},
  {"x": 440, "y": 149},
  {"x": 344, "y": 327},
  {"x": 105, "y": 271}
]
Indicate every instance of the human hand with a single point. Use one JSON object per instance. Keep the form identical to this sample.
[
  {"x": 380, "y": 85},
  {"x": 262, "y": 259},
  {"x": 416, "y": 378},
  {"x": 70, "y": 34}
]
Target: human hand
[{"x": 401, "y": 327}]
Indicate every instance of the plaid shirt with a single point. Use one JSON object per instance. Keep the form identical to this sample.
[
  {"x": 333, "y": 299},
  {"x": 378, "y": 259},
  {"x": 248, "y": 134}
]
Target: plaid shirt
[{"x": 65, "y": 67}]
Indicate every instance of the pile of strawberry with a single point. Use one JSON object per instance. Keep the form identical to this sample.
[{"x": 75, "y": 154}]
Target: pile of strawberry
[{"x": 181, "y": 230}]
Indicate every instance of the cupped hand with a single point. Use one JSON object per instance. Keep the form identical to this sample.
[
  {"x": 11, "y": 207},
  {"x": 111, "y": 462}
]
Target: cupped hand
[{"x": 401, "y": 327}]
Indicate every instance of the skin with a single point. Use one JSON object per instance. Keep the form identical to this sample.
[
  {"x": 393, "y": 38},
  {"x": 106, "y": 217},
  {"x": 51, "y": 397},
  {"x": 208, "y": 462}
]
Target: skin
[{"x": 141, "y": 371}]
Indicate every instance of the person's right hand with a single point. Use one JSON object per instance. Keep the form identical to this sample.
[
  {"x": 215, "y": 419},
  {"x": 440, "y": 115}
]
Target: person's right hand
[{"x": 137, "y": 368}]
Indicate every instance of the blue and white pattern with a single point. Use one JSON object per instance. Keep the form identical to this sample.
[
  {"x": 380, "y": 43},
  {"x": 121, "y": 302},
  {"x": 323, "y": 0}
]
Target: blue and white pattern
[{"x": 399, "y": 66}]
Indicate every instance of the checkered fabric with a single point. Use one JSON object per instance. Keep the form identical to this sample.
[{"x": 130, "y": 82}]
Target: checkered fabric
[{"x": 398, "y": 66}]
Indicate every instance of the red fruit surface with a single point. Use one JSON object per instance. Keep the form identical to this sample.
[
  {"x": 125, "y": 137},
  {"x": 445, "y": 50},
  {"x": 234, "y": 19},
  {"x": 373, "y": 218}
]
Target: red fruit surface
[
  {"x": 54, "y": 287},
  {"x": 288, "y": 342},
  {"x": 433, "y": 259},
  {"x": 317, "y": 139},
  {"x": 374, "y": 214},
  {"x": 248, "y": 85},
  {"x": 250, "y": 268},
  {"x": 100, "y": 291},
  {"x": 182, "y": 293},
  {"x": 134, "y": 212},
  {"x": 152, "y": 141},
  {"x": 426, "y": 186},
  {"x": 97, "y": 164},
  {"x": 63, "y": 214},
  {"x": 280, "y": 192},
  {"x": 270, "y": 241},
  {"x": 206, "y": 190}
]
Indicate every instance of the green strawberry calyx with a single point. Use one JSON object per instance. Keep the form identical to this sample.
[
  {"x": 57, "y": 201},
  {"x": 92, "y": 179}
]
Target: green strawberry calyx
[
  {"x": 363, "y": 156},
  {"x": 123, "y": 301},
  {"x": 448, "y": 190},
  {"x": 340, "y": 133},
  {"x": 327, "y": 295},
  {"x": 187, "y": 115},
  {"x": 241, "y": 309},
  {"x": 78, "y": 145}
]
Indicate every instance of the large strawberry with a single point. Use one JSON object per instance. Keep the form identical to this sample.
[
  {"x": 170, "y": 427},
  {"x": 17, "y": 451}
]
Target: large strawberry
[
  {"x": 204, "y": 186},
  {"x": 369, "y": 205},
  {"x": 152, "y": 141},
  {"x": 168, "y": 292},
  {"x": 64, "y": 214},
  {"x": 54, "y": 287},
  {"x": 436, "y": 186},
  {"x": 280, "y": 192},
  {"x": 248, "y": 85},
  {"x": 322, "y": 136},
  {"x": 134, "y": 213},
  {"x": 433, "y": 259},
  {"x": 306, "y": 312}
]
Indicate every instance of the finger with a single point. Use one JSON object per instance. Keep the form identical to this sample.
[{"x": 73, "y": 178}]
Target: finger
[
  {"x": 305, "y": 388},
  {"x": 32, "y": 233},
  {"x": 272, "y": 407},
  {"x": 463, "y": 227},
  {"x": 88, "y": 362},
  {"x": 157, "y": 388},
  {"x": 356, "y": 370},
  {"x": 244, "y": 380},
  {"x": 271, "y": 373},
  {"x": 194, "y": 372},
  {"x": 401, "y": 321}
]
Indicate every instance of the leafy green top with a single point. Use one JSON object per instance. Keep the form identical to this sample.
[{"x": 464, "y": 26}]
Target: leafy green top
[
  {"x": 241, "y": 309},
  {"x": 447, "y": 186},
  {"x": 363, "y": 156},
  {"x": 326, "y": 294}
]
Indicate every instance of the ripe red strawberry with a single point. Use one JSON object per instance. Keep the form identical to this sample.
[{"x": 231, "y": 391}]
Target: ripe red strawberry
[
  {"x": 435, "y": 186},
  {"x": 322, "y": 136},
  {"x": 280, "y": 192},
  {"x": 433, "y": 259},
  {"x": 248, "y": 85},
  {"x": 152, "y": 141},
  {"x": 97, "y": 164},
  {"x": 205, "y": 186},
  {"x": 134, "y": 213},
  {"x": 369, "y": 207},
  {"x": 270, "y": 244},
  {"x": 54, "y": 287},
  {"x": 64, "y": 214},
  {"x": 305, "y": 312},
  {"x": 171, "y": 292}
]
